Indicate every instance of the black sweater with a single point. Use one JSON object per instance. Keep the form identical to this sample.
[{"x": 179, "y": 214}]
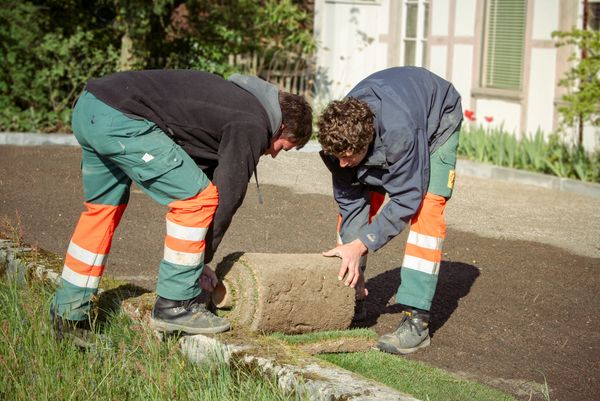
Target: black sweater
[{"x": 224, "y": 128}]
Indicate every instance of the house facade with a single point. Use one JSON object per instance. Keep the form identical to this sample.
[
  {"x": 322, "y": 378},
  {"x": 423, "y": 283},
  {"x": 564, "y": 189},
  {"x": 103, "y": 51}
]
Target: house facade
[{"x": 499, "y": 54}]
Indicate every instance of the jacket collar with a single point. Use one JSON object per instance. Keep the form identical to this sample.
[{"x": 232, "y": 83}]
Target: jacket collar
[
  {"x": 266, "y": 93},
  {"x": 376, "y": 158}
]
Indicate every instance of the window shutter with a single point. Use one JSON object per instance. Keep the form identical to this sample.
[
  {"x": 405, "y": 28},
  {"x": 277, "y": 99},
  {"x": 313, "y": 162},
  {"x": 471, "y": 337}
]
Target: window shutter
[{"x": 505, "y": 43}]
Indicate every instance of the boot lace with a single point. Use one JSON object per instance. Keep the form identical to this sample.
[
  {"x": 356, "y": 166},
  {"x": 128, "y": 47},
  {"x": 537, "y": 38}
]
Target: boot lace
[
  {"x": 409, "y": 319},
  {"x": 195, "y": 306}
]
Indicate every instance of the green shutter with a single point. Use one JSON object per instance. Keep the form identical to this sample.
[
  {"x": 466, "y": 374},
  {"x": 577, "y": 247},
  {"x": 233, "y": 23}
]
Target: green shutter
[{"x": 505, "y": 43}]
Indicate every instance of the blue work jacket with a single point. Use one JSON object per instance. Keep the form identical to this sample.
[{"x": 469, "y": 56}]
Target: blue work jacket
[{"x": 415, "y": 112}]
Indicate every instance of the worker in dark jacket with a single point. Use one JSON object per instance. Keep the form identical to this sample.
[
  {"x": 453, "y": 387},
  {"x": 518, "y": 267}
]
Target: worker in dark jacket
[
  {"x": 395, "y": 134},
  {"x": 191, "y": 141}
]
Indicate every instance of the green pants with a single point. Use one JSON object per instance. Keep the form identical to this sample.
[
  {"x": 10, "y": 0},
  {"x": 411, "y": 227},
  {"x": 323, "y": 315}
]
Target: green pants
[
  {"x": 423, "y": 254},
  {"x": 116, "y": 151}
]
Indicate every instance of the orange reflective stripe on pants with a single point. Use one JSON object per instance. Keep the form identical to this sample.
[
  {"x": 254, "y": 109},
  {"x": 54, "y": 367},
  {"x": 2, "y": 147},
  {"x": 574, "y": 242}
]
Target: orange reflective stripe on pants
[
  {"x": 187, "y": 224},
  {"x": 90, "y": 244},
  {"x": 425, "y": 239}
]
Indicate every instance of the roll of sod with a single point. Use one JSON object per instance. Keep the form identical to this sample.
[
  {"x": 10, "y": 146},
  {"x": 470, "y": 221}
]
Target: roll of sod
[{"x": 288, "y": 293}]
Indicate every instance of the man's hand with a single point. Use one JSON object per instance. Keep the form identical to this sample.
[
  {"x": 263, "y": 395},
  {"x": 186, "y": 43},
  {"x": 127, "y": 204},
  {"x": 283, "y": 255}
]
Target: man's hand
[
  {"x": 350, "y": 254},
  {"x": 208, "y": 279}
]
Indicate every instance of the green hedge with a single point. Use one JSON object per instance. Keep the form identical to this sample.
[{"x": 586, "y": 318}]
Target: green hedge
[{"x": 51, "y": 48}]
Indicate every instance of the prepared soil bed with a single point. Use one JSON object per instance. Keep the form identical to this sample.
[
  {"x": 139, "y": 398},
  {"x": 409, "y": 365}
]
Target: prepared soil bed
[{"x": 507, "y": 313}]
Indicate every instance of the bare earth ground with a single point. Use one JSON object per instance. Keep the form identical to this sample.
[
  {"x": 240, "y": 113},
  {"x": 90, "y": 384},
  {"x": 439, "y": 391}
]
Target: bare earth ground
[{"x": 517, "y": 300}]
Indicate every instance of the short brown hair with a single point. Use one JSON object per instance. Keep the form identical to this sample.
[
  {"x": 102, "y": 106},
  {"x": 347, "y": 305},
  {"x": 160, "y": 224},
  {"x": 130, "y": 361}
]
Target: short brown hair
[
  {"x": 346, "y": 126},
  {"x": 296, "y": 115}
]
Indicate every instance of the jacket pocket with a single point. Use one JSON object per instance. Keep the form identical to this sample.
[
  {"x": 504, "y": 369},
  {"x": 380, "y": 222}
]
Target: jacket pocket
[{"x": 157, "y": 165}]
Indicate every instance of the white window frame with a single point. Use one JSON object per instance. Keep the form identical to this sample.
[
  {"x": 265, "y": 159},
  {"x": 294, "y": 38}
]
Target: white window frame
[{"x": 421, "y": 38}]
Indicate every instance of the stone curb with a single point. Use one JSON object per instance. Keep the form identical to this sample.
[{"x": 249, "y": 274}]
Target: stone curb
[
  {"x": 483, "y": 170},
  {"x": 310, "y": 377},
  {"x": 466, "y": 167},
  {"x": 31, "y": 139}
]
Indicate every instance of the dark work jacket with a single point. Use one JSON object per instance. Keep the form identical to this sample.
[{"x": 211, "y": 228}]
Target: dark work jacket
[
  {"x": 415, "y": 112},
  {"x": 223, "y": 127}
]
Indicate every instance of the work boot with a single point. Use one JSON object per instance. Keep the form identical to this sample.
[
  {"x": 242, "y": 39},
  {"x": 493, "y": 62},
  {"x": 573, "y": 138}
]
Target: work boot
[
  {"x": 188, "y": 316},
  {"x": 411, "y": 334},
  {"x": 78, "y": 332}
]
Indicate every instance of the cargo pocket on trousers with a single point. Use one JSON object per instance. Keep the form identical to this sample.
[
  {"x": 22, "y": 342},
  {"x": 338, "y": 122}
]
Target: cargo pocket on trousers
[
  {"x": 155, "y": 166},
  {"x": 442, "y": 171}
]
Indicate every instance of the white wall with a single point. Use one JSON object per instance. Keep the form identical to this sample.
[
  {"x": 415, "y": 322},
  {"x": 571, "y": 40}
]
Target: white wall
[
  {"x": 440, "y": 9},
  {"x": 541, "y": 91},
  {"x": 350, "y": 45},
  {"x": 462, "y": 73},
  {"x": 591, "y": 138},
  {"x": 438, "y": 60},
  {"x": 504, "y": 113},
  {"x": 354, "y": 41},
  {"x": 464, "y": 21},
  {"x": 545, "y": 18}
]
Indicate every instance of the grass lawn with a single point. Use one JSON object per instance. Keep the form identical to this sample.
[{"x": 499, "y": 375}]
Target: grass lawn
[
  {"x": 410, "y": 377},
  {"x": 133, "y": 365},
  {"x": 130, "y": 363}
]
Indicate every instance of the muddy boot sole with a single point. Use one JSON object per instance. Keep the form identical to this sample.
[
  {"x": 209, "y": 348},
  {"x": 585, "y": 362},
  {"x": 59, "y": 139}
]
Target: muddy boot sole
[
  {"x": 166, "y": 327},
  {"x": 391, "y": 349}
]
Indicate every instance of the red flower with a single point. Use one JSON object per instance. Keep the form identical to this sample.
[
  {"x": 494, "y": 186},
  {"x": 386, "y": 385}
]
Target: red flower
[
  {"x": 470, "y": 114},
  {"x": 489, "y": 119}
]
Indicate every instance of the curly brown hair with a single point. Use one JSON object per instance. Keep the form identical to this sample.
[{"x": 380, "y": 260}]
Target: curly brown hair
[
  {"x": 296, "y": 115},
  {"x": 346, "y": 126}
]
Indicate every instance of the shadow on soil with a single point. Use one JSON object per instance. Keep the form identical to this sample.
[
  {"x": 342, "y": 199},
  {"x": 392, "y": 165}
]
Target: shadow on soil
[
  {"x": 224, "y": 266},
  {"x": 109, "y": 302},
  {"x": 454, "y": 282}
]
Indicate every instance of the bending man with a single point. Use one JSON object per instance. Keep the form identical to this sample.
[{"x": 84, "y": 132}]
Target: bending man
[
  {"x": 395, "y": 134},
  {"x": 191, "y": 141}
]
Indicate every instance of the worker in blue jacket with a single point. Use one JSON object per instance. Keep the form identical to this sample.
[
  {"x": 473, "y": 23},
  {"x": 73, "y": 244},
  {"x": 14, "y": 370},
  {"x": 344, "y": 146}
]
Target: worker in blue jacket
[{"x": 396, "y": 135}]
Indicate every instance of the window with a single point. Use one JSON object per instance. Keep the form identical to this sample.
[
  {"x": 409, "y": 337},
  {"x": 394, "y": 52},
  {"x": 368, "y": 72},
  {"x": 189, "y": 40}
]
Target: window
[
  {"x": 504, "y": 44},
  {"x": 372, "y": 2},
  {"x": 414, "y": 38},
  {"x": 594, "y": 15}
]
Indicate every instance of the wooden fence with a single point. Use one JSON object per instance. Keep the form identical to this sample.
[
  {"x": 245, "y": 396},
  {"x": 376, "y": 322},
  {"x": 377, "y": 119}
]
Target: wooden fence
[{"x": 291, "y": 72}]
